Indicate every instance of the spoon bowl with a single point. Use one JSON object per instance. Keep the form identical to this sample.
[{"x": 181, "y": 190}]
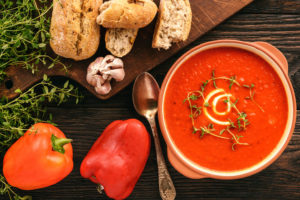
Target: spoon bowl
[{"x": 145, "y": 95}]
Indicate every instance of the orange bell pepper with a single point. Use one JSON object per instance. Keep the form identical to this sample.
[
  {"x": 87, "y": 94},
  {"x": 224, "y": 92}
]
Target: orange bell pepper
[{"x": 42, "y": 157}]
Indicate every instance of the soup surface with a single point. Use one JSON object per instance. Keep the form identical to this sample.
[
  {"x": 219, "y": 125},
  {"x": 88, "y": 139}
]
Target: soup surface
[{"x": 225, "y": 109}]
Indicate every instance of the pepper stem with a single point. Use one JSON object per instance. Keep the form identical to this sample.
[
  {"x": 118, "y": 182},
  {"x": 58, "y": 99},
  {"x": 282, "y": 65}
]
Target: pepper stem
[
  {"x": 100, "y": 188},
  {"x": 58, "y": 143}
]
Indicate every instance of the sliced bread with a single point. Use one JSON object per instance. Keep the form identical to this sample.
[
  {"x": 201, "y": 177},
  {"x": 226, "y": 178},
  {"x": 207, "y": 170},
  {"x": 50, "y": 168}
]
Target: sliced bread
[
  {"x": 173, "y": 23},
  {"x": 119, "y": 41}
]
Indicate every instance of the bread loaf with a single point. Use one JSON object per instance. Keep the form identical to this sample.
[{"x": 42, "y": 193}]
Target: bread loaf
[
  {"x": 119, "y": 41},
  {"x": 74, "y": 31},
  {"x": 132, "y": 14},
  {"x": 173, "y": 23}
]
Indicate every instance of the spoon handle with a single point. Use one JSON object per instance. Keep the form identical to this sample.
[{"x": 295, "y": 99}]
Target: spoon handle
[{"x": 166, "y": 187}]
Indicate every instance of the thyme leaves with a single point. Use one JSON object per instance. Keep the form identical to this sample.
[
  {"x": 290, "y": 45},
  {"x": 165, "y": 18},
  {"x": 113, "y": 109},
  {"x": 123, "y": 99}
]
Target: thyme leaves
[
  {"x": 239, "y": 124},
  {"x": 251, "y": 95},
  {"x": 24, "y": 35}
]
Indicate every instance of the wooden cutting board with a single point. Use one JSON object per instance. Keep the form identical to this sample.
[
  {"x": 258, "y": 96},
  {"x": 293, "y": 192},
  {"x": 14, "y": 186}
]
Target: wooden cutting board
[{"x": 206, "y": 15}]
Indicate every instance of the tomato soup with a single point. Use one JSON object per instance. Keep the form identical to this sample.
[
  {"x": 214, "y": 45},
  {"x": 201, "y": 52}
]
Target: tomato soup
[{"x": 225, "y": 109}]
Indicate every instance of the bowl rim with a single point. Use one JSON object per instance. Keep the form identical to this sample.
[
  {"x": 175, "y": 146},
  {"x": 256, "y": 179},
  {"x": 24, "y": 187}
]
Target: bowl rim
[{"x": 290, "y": 125}]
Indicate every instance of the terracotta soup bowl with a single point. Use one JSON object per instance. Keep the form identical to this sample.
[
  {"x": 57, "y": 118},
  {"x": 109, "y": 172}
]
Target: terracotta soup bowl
[{"x": 180, "y": 157}]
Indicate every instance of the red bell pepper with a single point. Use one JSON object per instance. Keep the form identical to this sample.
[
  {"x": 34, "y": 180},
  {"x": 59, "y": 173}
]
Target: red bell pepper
[
  {"x": 118, "y": 157},
  {"x": 41, "y": 157}
]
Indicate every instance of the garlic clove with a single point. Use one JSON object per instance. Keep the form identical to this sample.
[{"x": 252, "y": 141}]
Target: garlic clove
[
  {"x": 103, "y": 89},
  {"x": 117, "y": 74}
]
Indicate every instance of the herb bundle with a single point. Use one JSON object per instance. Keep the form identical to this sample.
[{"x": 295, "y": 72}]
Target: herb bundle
[
  {"x": 24, "y": 35},
  {"x": 241, "y": 121},
  {"x": 19, "y": 114}
]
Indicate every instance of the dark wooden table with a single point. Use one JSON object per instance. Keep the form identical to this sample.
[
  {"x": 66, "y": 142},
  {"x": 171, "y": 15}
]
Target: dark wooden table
[{"x": 274, "y": 21}]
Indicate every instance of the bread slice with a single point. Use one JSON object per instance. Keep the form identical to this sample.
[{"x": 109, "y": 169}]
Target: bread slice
[
  {"x": 173, "y": 23},
  {"x": 74, "y": 31},
  {"x": 130, "y": 14},
  {"x": 119, "y": 41}
]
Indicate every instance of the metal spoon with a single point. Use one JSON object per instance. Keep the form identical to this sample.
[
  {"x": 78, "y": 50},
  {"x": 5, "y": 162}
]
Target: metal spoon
[{"x": 145, "y": 96}]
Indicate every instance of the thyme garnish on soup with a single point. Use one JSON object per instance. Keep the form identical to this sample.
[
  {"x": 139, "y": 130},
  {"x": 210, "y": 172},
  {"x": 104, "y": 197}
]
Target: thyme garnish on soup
[{"x": 239, "y": 124}]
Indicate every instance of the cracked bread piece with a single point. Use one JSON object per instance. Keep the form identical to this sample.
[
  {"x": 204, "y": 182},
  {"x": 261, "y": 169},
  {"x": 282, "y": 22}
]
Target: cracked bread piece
[
  {"x": 173, "y": 23},
  {"x": 131, "y": 14},
  {"x": 74, "y": 31},
  {"x": 119, "y": 41}
]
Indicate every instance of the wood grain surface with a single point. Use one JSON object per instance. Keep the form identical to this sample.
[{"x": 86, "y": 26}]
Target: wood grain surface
[
  {"x": 206, "y": 15},
  {"x": 274, "y": 21}
]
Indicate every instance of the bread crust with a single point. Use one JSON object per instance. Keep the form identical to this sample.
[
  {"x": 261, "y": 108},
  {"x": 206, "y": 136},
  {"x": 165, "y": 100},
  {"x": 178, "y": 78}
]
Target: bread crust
[
  {"x": 127, "y": 35},
  {"x": 158, "y": 26},
  {"x": 125, "y": 14},
  {"x": 74, "y": 31},
  {"x": 188, "y": 24}
]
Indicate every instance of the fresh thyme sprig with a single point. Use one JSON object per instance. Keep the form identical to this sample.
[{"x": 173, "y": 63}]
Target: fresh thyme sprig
[
  {"x": 18, "y": 115},
  {"x": 242, "y": 121},
  {"x": 232, "y": 125},
  {"x": 24, "y": 35},
  {"x": 208, "y": 130},
  {"x": 231, "y": 81},
  {"x": 211, "y": 131},
  {"x": 204, "y": 85},
  {"x": 236, "y": 139},
  {"x": 251, "y": 96},
  {"x": 242, "y": 116},
  {"x": 195, "y": 110},
  {"x": 213, "y": 78}
]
